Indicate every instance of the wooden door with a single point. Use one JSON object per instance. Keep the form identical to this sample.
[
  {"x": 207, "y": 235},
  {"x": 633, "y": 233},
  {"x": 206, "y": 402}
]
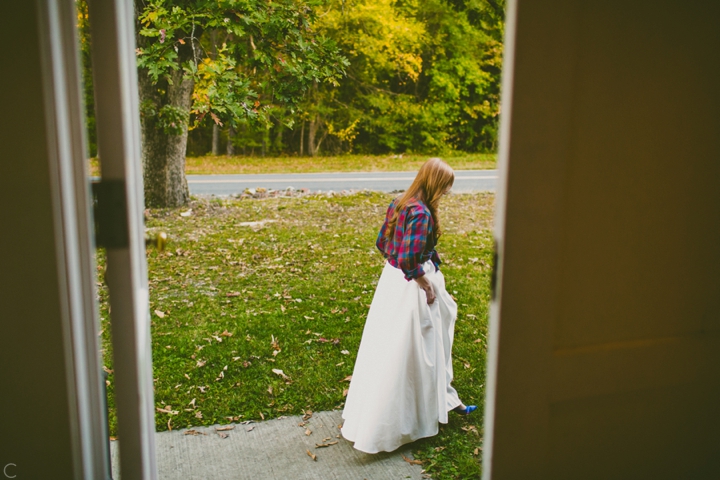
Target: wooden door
[{"x": 605, "y": 334}]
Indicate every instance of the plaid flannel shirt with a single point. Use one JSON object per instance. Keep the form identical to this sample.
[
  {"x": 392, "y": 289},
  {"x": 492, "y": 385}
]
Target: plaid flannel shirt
[{"x": 413, "y": 242}]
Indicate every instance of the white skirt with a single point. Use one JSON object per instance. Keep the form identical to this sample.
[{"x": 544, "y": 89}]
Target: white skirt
[{"x": 400, "y": 387}]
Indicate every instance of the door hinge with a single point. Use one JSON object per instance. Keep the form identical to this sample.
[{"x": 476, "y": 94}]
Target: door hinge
[{"x": 110, "y": 214}]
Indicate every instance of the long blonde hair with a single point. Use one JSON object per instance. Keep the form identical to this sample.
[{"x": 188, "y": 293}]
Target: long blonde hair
[{"x": 431, "y": 182}]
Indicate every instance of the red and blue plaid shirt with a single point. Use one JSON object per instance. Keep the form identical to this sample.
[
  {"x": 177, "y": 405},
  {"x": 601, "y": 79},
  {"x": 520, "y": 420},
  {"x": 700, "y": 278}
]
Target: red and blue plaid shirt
[{"x": 413, "y": 242}]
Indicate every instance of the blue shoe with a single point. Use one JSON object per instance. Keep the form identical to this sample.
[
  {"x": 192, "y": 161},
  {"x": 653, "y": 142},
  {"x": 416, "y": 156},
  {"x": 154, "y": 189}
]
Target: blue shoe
[{"x": 465, "y": 410}]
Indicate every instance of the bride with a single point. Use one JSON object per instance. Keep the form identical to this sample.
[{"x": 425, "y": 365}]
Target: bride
[{"x": 400, "y": 388}]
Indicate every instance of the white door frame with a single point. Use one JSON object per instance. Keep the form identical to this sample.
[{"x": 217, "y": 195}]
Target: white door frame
[
  {"x": 118, "y": 129},
  {"x": 73, "y": 235},
  {"x": 117, "y": 113}
]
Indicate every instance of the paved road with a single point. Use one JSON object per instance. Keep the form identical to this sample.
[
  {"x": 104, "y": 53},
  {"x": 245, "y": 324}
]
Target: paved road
[{"x": 465, "y": 181}]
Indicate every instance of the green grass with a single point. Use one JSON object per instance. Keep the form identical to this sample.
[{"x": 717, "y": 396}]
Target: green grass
[
  {"x": 294, "y": 294},
  {"x": 210, "y": 165}
]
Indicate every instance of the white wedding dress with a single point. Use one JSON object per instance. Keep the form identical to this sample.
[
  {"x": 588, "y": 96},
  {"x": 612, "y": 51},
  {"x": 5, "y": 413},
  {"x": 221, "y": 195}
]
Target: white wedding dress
[{"x": 400, "y": 388}]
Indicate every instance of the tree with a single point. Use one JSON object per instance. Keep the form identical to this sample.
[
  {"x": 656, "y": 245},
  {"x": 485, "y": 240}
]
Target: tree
[
  {"x": 429, "y": 80},
  {"x": 233, "y": 61},
  {"x": 424, "y": 76},
  {"x": 86, "y": 64}
]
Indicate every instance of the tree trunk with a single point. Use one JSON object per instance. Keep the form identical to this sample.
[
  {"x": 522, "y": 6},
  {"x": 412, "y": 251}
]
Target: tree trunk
[
  {"x": 244, "y": 136},
  {"x": 163, "y": 154},
  {"x": 230, "y": 142},
  {"x": 312, "y": 131},
  {"x": 317, "y": 147},
  {"x": 266, "y": 134},
  {"x": 216, "y": 139},
  {"x": 302, "y": 139},
  {"x": 216, "y": 127},
  {"x": 278, "y": 145}
]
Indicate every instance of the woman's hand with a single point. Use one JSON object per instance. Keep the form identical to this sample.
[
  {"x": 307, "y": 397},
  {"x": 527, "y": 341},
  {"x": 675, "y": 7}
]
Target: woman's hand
[{"x": 427, "y": 286}]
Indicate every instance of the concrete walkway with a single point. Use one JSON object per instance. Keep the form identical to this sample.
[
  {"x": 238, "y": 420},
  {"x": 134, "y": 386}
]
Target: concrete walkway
[{"x": 275, "y": 449}]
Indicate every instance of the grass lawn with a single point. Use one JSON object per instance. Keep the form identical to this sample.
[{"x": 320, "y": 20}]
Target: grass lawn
[
  {"x": 209, "y": 165},
  {"x": 235, "y": 303}
]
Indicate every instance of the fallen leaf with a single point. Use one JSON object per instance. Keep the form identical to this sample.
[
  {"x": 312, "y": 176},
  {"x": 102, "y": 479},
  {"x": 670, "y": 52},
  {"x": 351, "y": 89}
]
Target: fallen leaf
[
  {"x": 344, "y": 352},
  {"x": 270, "y": 390},
  {"x": 169, "y": 425},
  {"x": 280, "y": 373},
  {"x": 226, "y": 334},
  {"x": 478, "y": 340},
  {"x": 225, "y": 428},
  {"x": 186, "y": 213},
  {"x": 107, "y": 370},
  {"x": 250, "y": 428},
  {"x": 198, "y": 414},
  {"x": 301, "y": 424},
  {"x": 160, "y": 314},
  {"x": 167, "y": 409},
  {"x": 193, "y": 432},
  {"x": 322, "y": 445},
  {"x": 232, "y": 294},
  {"x": 261, "y": 415},
  {"x": 345, "y": 392},
  {"x": 412, "y": 462},
  {"x": 311, "y": 455},
  {"x": 308, "y": 432},
  {"x": 307, "y": 415},
  {"x": 222, "y": 435},
  {"x": 201, "y": 363},
  {"x": 477, "y": 451},
  {"x": 347, "y": 379},
  {"x": 192, "y": 402}
]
